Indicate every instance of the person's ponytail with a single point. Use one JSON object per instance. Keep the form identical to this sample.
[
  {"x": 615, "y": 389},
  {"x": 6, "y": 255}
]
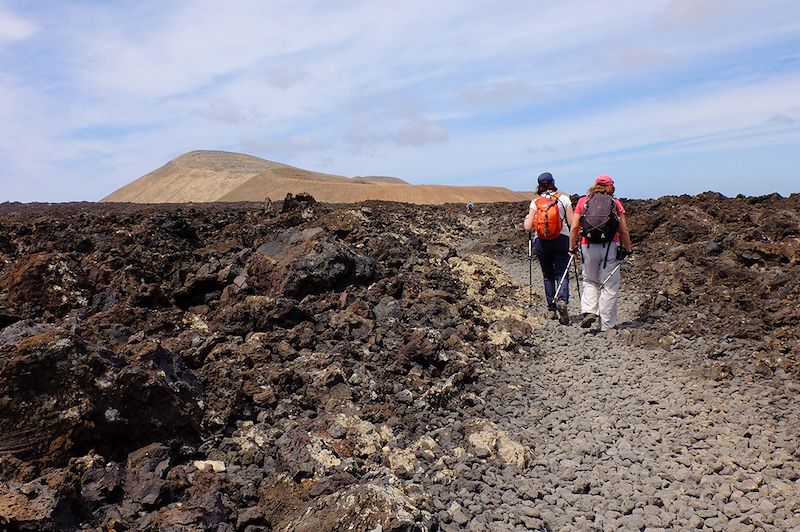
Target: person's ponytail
[
  {"x": 546, "y": 187},
  {"x": 601, "y": 189}
]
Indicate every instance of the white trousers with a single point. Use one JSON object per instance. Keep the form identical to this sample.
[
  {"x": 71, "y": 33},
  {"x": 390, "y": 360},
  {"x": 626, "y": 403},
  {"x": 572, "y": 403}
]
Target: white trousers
[{"x": 595, "y": 300}]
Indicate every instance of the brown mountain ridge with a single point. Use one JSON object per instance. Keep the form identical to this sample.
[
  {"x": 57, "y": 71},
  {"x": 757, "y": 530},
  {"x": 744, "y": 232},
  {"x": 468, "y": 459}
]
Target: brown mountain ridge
[{"x": 219, "y": 176}]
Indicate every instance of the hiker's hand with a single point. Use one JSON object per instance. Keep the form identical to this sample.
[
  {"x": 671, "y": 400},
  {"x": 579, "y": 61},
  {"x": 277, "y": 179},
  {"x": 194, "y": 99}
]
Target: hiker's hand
[
  {"x": 574, "y": 251},
  {"x": 623, "y": 252}
]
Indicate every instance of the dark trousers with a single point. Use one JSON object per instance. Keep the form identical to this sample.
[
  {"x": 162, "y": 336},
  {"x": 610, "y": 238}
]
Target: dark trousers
[{"x": 553, "y": 257}]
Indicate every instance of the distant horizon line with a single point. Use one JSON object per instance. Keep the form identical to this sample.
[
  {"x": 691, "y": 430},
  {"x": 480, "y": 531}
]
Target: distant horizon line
[{"x": 261, "y": 202}]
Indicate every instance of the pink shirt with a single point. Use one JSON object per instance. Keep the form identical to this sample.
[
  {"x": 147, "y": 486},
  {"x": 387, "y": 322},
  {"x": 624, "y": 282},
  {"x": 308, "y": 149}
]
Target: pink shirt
[{"x": 579, "y": 211}]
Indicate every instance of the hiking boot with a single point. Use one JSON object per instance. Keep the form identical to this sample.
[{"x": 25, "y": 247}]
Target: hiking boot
[
  {"x": 563, "y": 312},
  {"x": 587, "y": 320}
]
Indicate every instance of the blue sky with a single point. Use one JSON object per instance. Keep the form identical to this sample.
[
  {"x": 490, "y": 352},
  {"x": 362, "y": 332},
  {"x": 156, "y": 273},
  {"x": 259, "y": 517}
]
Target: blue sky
[{"x": 667, "y": 96}]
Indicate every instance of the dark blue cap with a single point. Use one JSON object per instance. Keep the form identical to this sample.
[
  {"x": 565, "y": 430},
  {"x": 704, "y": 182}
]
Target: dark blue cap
[{"x": 545, "y": 178}]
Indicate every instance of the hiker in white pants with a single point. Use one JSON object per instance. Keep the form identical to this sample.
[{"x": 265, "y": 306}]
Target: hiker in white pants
[
  {"x": 597, "y": 301},
  {"x": 600, "y": 224}
]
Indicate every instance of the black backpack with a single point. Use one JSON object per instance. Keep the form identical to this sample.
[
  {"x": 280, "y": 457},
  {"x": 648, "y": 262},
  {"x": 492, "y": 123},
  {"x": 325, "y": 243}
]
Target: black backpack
[{"x": 599, "y": 221}]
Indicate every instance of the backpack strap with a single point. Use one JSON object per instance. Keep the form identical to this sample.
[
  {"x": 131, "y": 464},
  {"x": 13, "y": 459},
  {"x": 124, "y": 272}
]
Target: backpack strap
[
  {"x": 616, "y": 215},
  {"x": 581, "y": 234},
  {"x": 556, "y": 196},
  {"x": 616, "y": 209}
]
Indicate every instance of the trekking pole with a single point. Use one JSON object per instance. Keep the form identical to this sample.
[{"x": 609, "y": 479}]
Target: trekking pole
[
  {"x": 530, "y": 269},
  {"x": 577, "y": 282},
  {"x": 612, "y": 273},
  {"x": 566, "y": 271}
]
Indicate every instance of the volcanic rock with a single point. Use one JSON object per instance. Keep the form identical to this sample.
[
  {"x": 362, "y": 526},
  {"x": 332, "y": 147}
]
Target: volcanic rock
[{"x": 384, "y": 357}]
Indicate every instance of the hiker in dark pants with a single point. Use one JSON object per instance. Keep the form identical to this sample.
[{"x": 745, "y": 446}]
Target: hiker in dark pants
[
  {"x": 550, "y": 217},
  {"x": 601, "y": 226}
]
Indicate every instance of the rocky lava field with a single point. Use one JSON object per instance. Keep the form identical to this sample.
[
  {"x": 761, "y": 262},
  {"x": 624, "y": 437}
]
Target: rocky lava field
[{"x": 377, "y": 367}]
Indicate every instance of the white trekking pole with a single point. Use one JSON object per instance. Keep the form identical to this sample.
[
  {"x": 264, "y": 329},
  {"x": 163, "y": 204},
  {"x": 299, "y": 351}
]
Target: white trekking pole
[
  {"x": 612, "y": 273},
  {"x": 566, "y": 271}
]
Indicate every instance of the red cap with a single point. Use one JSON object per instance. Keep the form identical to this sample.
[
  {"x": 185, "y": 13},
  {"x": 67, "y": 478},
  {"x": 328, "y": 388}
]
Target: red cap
[{"x": 604, "y": 180}]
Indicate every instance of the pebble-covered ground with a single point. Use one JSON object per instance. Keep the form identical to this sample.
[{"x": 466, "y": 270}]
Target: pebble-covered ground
[{"x": 623, "y": 438}]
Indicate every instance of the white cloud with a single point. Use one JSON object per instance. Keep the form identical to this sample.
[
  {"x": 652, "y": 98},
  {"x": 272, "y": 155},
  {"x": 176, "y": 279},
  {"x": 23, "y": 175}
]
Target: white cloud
[
  {"x": 546, "y": 148},
  {"x": 501, "y": 92},
  {"x": 286, "y": 76},
  {"x": 190, "y": 45},
  {"x": 637, "y": 56},
  {"x": 173, "y": 51},
  {"x": 683, "y": 116},
  {"x": 699, "y": 11},
  {"x": 228, "y": 112},
  {"x": 394, "y": 120},
  {"x": 782, "y": 119},
  {"x": 291, "y": 145},
  {"x": 420, "y": 131},
  {"x": 14, "y": 27},
  {"x": 688, "y": 122}
]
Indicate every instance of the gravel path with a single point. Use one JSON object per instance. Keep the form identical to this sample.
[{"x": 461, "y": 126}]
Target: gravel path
[{"x": 623, "y": 438}]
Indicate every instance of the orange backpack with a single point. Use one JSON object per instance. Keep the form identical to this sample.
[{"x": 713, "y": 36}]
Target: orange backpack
[{"x": 547, "y": 219}]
